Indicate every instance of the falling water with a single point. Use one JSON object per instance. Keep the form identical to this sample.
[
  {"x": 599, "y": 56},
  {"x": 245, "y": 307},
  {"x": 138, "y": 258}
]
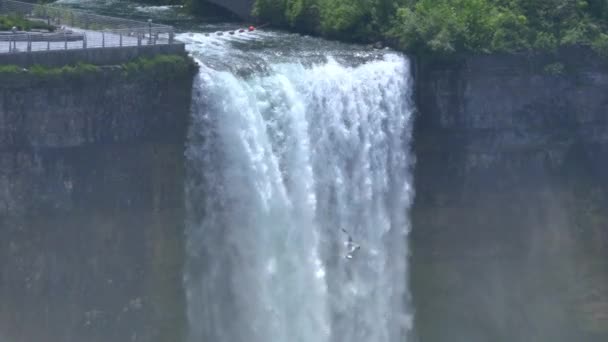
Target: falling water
[{"x": 286, "y": 151}]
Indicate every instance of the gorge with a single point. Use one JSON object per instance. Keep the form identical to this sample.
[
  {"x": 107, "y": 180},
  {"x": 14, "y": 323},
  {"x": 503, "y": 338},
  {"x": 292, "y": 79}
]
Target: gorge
[{"x": 210, "y": 207}]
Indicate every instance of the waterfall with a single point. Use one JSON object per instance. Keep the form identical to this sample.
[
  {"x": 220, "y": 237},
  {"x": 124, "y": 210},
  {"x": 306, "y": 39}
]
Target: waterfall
[{"x": 280, "y": 161}]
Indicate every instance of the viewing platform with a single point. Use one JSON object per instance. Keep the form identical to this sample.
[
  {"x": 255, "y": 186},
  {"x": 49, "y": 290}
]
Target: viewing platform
[{"x": 77, "y": 36}]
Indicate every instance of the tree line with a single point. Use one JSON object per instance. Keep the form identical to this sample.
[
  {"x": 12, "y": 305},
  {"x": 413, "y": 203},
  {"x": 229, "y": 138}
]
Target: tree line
[
  {"x": 442, "y": 27},
  {"x": 448, "y": 26}
]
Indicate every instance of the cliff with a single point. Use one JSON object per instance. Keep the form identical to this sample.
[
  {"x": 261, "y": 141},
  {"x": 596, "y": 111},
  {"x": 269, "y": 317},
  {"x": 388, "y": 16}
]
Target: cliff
[
  {"x": 510, "y": 241},
  {"x": 91, "y": 202}
]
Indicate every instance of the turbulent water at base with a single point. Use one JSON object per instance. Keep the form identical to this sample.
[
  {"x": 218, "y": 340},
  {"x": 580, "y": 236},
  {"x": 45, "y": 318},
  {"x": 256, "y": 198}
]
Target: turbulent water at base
[{"x": 292, "y": 140}]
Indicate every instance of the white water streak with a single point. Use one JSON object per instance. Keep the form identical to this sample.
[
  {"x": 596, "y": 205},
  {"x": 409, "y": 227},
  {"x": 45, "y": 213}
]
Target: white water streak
[{"x": 279, "y": 164}]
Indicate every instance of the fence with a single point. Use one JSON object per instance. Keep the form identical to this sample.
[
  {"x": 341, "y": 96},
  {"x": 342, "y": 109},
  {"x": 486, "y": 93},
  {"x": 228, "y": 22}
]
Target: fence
[{"x": 75, "y": 29}]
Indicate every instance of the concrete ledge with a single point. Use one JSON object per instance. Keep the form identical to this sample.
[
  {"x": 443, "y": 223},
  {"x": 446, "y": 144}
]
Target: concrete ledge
[{"x": 97, "y": 56}]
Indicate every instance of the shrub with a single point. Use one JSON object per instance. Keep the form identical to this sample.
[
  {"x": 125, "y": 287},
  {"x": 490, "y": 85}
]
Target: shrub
[
  {"x": 600, "y": 45},
  {"x": 545, "y": 41},
  {"x": 272, "y": 11},
  {"x": 10, "y": 69},
  {"x": 7, "y": 22},
  {"x": 168, "y": 65},
  {"x": 554, "y": 69},
  {"x": 77, "y": 70}
]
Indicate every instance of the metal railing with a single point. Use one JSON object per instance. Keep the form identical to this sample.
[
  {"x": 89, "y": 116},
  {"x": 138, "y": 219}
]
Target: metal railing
[{"x": 77, "y": 30}]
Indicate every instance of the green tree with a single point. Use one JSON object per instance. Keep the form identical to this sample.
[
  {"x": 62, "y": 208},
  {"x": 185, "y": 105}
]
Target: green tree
[
  {"x": 304, "y": 15},
  {"x": 346, "y": 18},
  {"x": 272, "y": 11}
]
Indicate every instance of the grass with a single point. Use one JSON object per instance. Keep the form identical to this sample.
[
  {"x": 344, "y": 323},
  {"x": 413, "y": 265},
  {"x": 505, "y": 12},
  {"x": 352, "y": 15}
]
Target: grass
[
  {"x": 160, "y": 66},
  {"x": 10, "y": 69},
  {"x": 165, "y": 64},
  {"x": 68, "y": 70}
]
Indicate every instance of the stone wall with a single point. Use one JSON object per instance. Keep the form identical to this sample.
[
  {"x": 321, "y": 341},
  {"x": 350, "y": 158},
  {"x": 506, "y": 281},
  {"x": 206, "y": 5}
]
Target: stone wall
[
  {"x": 91, "y": 207},
  {"x": 510, "y": 234}
]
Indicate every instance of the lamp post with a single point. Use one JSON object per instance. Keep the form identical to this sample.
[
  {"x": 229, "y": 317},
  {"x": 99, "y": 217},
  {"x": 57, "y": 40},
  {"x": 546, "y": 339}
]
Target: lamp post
[
  {"x": 14, "y": 30},
  {"x": 149, "y": 31}
]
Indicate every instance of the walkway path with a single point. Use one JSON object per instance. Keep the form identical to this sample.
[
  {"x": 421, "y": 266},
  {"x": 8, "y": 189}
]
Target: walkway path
[
  {"x": 98, "y": 31},
  {"x": 94, "y": 39}
]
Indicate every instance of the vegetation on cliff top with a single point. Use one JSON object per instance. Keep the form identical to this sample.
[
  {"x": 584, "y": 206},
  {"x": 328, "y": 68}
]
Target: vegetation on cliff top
[
  {"x": 448, "y": 26},
  {"x": 7, "y": 22},
  {"x": 157, "y": 67},
  {"x": 169, "y": 65}
]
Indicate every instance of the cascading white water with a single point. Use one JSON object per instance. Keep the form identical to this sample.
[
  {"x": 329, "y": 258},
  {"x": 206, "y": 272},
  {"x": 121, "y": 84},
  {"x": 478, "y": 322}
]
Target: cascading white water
[{"x": 280, "y": 161}]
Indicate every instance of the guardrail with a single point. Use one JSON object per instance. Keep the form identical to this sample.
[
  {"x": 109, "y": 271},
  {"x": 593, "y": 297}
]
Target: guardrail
[{"x": 77, "y": 30}]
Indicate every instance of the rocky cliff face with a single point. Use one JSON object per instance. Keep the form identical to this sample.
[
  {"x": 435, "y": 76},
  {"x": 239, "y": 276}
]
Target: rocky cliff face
[
  {"x": 510, "y": 228},
  {"x": 91, "y": 206}
]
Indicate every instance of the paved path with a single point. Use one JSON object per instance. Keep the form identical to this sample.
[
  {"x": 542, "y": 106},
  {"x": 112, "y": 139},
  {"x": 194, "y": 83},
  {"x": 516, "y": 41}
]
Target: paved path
[{"x": 94, "y": 39}]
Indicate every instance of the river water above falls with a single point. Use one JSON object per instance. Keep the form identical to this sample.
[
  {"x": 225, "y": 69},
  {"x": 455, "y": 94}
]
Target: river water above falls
[{"x": 296, "y": 144}]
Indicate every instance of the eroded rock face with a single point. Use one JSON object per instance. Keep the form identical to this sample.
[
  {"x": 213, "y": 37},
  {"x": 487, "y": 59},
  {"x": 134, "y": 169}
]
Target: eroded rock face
[
  {"x": 510, "y": 233},
  {"x": 91, "y": 207}
]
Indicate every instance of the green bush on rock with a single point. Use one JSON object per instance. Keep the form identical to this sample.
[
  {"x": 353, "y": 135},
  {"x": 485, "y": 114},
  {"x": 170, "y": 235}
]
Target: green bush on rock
[
  {"x": 10, "y": 69},
  {"x": 79, "y": 69},
  {"x": 167, "y": 65},
  {"x": 157, "y": 67}
]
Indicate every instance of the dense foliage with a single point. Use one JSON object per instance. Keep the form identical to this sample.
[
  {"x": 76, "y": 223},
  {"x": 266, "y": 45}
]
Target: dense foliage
[
  {"x": 7, "y": 22},
  {"x": 448, "y": 26}
]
